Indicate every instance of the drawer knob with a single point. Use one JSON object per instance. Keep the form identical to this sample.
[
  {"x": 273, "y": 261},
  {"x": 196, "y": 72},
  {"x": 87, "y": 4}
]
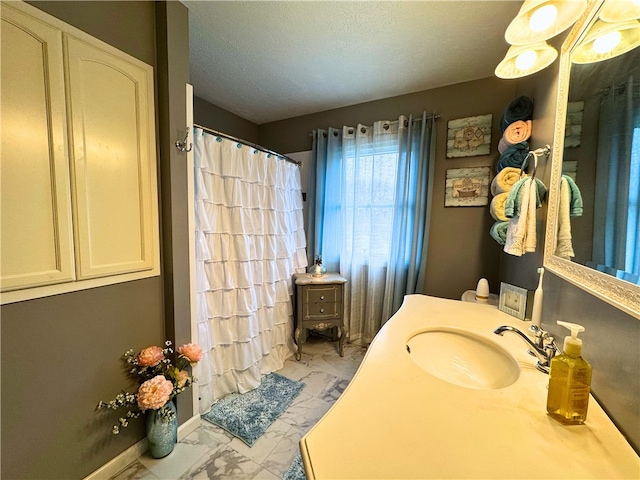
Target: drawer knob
[
  {"x": 322, "y": 310},
  {"x": 321, "y": 297}
]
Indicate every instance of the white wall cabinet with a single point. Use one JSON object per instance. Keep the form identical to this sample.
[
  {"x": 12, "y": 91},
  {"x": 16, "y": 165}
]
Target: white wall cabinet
[{"x": 78, "y": 166}]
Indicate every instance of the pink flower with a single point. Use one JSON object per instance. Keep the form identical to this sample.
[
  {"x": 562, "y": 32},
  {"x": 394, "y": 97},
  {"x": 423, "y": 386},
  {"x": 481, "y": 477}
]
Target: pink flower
[
  {"x": 154, "y": 393},
  {"x": 191, "y": 352},
  {"x": 181, "y": 377},
  {"x": 150, "y": 357}
]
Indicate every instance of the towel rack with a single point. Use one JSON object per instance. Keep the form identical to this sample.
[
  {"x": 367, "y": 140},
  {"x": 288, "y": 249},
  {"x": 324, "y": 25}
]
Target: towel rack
[{"x": 546, "y": 151}]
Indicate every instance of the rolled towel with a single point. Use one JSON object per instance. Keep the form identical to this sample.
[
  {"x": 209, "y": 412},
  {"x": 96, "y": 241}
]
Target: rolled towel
[
  {"x": 518, "y": 131},
  {"x": 504, "y": 180},
  {"x": 496, "y": 208},
  {"x": 520, "y": 108},
  {"x": 499, "y": 232},
  {"x": 514, "y": 156}
]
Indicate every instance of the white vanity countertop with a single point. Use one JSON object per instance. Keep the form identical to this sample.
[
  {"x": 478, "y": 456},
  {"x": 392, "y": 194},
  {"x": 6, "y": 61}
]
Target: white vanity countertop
[{"x": 395, "y": 420}]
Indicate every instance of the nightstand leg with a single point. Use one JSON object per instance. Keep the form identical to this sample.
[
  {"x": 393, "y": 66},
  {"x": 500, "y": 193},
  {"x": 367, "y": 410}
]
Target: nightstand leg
[
  {"x": 298, "y": 344},
  {"x": 341, "y": 343}
]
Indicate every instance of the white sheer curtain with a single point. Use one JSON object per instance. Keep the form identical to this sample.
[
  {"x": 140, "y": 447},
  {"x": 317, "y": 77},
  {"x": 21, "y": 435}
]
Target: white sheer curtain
[{"x": 249, "y": 242}]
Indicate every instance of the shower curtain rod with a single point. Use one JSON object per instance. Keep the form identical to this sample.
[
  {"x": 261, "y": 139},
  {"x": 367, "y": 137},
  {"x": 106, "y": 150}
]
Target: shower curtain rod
[{"x": 249, "y": 144}]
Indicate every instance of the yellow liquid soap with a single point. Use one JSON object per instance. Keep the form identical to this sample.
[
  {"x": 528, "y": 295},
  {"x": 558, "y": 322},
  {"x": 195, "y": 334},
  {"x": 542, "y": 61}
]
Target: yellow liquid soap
[
  {"x": 569, "y": 382},
  {"x": 569, "y": 388}
]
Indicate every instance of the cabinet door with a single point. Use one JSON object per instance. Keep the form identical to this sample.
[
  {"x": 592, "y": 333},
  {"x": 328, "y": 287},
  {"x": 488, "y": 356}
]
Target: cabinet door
[
  {"x": 36, "y": 232},
  {"x": 113, "y": 160}
]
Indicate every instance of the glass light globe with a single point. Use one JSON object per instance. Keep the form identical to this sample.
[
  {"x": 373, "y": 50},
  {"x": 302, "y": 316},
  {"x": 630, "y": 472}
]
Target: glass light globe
[
  {"x": 543, "y": 18},
  {"x": 526, "y": 60},
  {"x": 607, "y": 42}
]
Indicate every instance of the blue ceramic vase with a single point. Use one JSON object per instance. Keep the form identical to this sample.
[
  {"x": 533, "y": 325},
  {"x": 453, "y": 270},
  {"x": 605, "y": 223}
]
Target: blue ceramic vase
[{"x": 162, "y": 435}]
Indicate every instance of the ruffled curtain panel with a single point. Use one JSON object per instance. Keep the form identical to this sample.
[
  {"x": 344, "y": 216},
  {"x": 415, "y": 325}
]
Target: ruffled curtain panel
[{"x": 249, "y": 242}]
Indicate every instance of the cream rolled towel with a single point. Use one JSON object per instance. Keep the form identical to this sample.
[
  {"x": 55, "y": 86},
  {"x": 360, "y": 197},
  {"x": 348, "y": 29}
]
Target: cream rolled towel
[
  {"x": 497, "y": 207},
  {"x": 504, "y": 180},
  {"x": 516, "y": 132}
]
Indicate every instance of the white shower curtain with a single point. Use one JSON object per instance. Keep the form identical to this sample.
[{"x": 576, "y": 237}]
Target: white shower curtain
[{"x": 249, "y": 242}]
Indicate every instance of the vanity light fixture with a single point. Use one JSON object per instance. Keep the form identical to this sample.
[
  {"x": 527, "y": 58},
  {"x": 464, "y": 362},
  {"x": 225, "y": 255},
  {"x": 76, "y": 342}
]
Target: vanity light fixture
[
  {"x": 620, "y": 10},
  {"x": 523, "y": 60},
  {"x": 607, "y": 40},
  {"x": 539, "y": 20}
]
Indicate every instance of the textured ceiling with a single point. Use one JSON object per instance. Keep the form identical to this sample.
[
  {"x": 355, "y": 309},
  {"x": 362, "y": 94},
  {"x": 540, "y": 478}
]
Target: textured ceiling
[{"x": 271, "y": 60}]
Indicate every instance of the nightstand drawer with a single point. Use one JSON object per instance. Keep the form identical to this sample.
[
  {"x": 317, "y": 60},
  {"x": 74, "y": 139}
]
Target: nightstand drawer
[
  {"x": 322, "y": 310},
  {"x": 323, "y": 294}
]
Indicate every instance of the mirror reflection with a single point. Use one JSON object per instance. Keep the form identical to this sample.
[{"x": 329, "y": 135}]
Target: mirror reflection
[{"x": 602, "y": 155}]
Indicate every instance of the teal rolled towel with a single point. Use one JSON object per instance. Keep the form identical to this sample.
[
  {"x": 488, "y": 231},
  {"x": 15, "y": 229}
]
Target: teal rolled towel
[
  {"x": 499, "y": 232},
  {"x": 514, "y": 156}
]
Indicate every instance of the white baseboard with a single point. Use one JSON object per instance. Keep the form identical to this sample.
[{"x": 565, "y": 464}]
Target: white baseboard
[
  {"x": 189, "y": 426},
  {"x": 116, "y": 464},
  {"x": 131, "y": 454}
]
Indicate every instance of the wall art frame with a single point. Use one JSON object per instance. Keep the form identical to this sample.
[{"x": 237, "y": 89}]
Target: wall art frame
[
  {"x": 469, "y": 137},
  {"x": 467, "y": 187}
]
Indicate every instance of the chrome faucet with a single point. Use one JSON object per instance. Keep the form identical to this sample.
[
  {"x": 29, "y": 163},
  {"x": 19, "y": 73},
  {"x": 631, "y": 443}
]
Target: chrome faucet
[{"x": 544, "y": 351}]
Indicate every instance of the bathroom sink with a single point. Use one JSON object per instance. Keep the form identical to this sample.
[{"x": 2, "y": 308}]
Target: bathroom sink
[{"x": 463, "y": 358}]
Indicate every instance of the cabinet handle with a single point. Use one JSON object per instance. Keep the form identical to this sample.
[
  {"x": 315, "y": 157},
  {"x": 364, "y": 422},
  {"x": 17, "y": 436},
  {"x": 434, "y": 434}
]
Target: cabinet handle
[
  {"x": 322, "y": 310},
  {"x": 321, "y": 297}
]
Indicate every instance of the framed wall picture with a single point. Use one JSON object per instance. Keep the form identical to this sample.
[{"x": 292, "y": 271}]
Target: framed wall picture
[
  {"x": 513, "y": 300},
  {"x": 467, "y": 187},
  {"x": 468, "y": 137}
]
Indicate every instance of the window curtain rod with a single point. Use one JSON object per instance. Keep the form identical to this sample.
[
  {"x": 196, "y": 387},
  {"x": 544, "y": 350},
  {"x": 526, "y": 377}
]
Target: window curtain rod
[
  {"x": 433, "y": 116},
  {"x": 244, "y": 142}
]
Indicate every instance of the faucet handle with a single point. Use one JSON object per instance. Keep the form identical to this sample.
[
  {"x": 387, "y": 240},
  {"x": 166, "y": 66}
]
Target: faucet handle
[
  {"x": 539, "y": 336},
  {"x": 550, "y": 347}
]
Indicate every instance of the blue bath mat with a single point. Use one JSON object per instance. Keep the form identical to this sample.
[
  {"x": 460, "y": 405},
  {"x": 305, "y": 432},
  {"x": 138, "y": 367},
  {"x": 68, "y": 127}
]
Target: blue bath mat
[
  {"x": 248, "y": 415},
  {"x": 296, "y": 470}
]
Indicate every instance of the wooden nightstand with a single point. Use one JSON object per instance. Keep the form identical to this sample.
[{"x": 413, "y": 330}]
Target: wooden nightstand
[{"x": 319, "y": 305}]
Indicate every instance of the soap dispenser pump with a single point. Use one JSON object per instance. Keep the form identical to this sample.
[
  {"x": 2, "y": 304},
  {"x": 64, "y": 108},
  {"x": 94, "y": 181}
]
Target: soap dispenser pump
[{"x": 569, "y": 380}]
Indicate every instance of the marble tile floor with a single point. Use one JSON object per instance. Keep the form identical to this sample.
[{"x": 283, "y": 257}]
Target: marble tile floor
[{"x": 211, "y": 453}]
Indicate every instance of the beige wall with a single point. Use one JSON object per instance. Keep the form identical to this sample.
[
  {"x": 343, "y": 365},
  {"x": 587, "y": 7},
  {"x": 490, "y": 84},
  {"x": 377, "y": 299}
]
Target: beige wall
[
  {"x": 62, "y": 354},
  {"x": 460, "y": 248}
]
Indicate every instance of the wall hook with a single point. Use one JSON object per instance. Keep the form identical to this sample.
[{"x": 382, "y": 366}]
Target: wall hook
[{"x": 182, "y": 144}]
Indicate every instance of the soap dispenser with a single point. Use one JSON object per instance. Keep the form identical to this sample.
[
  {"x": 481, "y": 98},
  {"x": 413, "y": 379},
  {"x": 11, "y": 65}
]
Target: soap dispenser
[{"x": 569, "y": 380}]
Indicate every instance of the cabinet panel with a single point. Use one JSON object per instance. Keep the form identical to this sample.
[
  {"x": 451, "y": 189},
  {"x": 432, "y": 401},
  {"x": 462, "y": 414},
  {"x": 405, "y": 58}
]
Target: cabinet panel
[
  {"x": 113, "y": 160},
  {"x": 36, "y": 235}
]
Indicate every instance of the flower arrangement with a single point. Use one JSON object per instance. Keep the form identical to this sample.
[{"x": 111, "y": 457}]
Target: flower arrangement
[{"x": 160, "y": 381}]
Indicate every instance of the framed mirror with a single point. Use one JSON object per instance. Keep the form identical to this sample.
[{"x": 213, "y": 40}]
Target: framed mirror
[{"x": 597, "y": 144}]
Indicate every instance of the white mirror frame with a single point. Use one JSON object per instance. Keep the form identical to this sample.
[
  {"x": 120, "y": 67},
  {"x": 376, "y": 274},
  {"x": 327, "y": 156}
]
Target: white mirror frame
[{"x": 619, "y": 293}]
